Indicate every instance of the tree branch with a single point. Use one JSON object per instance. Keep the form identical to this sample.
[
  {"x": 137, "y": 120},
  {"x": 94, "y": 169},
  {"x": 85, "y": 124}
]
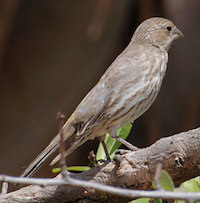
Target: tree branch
[
  {"x": 128, "y": 193},
  {"x": 131, "y": 170}
]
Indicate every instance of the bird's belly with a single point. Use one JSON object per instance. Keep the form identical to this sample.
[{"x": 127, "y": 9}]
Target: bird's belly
[
  {"x": 143, "y": 106},
  {"x": 134, "y": 102},
  {"x": 140, "y": 107}
]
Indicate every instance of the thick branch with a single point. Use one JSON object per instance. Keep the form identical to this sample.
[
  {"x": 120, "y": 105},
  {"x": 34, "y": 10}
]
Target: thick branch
[{"x": 131, "y": 170}]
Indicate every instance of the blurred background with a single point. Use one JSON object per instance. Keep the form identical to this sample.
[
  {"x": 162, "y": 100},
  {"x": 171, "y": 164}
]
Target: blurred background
[{"x": 53, "y": 52}]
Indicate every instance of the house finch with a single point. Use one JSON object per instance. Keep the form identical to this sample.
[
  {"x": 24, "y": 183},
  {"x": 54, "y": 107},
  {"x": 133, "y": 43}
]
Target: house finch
[{"x": 124, "y": 92}]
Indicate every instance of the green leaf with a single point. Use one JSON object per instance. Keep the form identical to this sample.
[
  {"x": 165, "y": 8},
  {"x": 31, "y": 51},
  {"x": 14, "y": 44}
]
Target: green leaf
[
  {"x": 146, "y": 200},
  {"x": 141, "y": 200},
  {"x": 181, "y": 201},
  {"x": 56, "y": 170},
  {"x": 78, "y": 168},
  {"x": 165, "y": 181},
  {"x": 100, "y": 152},
  {"x": 191, "y": 185},
  {"x": 112, "y": 144},
  {"x": 72, "y": 168},
  {"x": 157, "y": 201}
]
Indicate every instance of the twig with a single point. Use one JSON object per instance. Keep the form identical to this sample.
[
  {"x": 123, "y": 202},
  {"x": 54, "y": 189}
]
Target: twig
[
  {"x": 61, "y": 119},
  {"x": 92, "y": 159},
  {"x": 132, "y": 194},
  {"x": 158, "y": 172},
  {"x": 4, "y": 189}
]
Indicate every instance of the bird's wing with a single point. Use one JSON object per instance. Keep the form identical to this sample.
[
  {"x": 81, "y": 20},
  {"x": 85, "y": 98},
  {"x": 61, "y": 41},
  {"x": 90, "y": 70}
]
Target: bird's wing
[
  {"x": 124, "y": 72},
  {"x": 124, "y": 77}
]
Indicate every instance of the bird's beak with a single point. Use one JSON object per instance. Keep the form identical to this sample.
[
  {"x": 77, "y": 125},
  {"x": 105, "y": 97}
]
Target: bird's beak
[{"x": 177, "y": 33}]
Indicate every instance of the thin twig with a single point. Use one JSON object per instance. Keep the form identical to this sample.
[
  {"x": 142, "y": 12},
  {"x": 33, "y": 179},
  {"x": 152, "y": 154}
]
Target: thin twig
[
  {"x": 92, "y": 159},
  {"x": 129, "y": 193},
  {"x": 158, "y": 172},
  {"x": 4, "y": 189},
  {"x": 63, "y": 166}
]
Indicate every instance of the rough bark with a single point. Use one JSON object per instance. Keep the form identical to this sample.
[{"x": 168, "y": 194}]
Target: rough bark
[{"x": 131, "y": 170}]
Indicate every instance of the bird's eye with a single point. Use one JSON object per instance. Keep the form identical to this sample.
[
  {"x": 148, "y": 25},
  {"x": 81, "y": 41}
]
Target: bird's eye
[{"x": 169, "y": 28}]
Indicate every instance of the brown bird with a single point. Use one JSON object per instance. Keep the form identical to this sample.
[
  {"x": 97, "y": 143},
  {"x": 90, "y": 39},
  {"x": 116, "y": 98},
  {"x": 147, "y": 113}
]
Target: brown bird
[{"x": 124, "y": 92}]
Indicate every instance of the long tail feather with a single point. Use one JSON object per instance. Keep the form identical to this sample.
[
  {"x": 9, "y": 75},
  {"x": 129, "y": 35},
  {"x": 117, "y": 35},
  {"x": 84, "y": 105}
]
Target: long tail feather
[
  {"x": 71, "y": 148},
  {"x": 41, "y": 158}
]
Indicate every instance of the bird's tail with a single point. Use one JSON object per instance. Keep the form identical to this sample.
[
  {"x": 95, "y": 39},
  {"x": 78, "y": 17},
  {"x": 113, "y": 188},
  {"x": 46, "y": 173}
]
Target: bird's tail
[
  {"x": 81, "y": 140},
  {"x": 48, "y": 151}
]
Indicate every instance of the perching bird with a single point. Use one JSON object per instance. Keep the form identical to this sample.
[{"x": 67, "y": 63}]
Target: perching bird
[{"x": 124, "y": 92}]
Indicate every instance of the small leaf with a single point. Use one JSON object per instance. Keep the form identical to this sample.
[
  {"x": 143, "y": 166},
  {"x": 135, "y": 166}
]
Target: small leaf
[
  {"x": 197, "y": 179},
  {"x": 157, "y": 201},
  {"x": 100, "y": 152},
  {"x": 78, "y": 168},
  {"x": 72, "y": 168},
  {"x": 56, "y": 170},
  {"x": 190, "y": 186},
  {"x": 165, "y": 181},
  {"x": 140, "y": 200}
]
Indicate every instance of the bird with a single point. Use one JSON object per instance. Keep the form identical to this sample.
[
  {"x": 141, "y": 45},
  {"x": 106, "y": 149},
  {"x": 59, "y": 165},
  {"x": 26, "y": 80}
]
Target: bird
[{"x": 124, "y": 92}]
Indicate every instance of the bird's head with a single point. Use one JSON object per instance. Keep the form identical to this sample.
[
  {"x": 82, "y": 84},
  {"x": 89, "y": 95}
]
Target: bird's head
[{"x": 156, "y": 31}]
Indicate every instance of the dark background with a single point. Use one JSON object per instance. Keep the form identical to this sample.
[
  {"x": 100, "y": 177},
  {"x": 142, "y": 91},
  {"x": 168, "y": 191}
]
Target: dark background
[{"x": 53, "y": 52}]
